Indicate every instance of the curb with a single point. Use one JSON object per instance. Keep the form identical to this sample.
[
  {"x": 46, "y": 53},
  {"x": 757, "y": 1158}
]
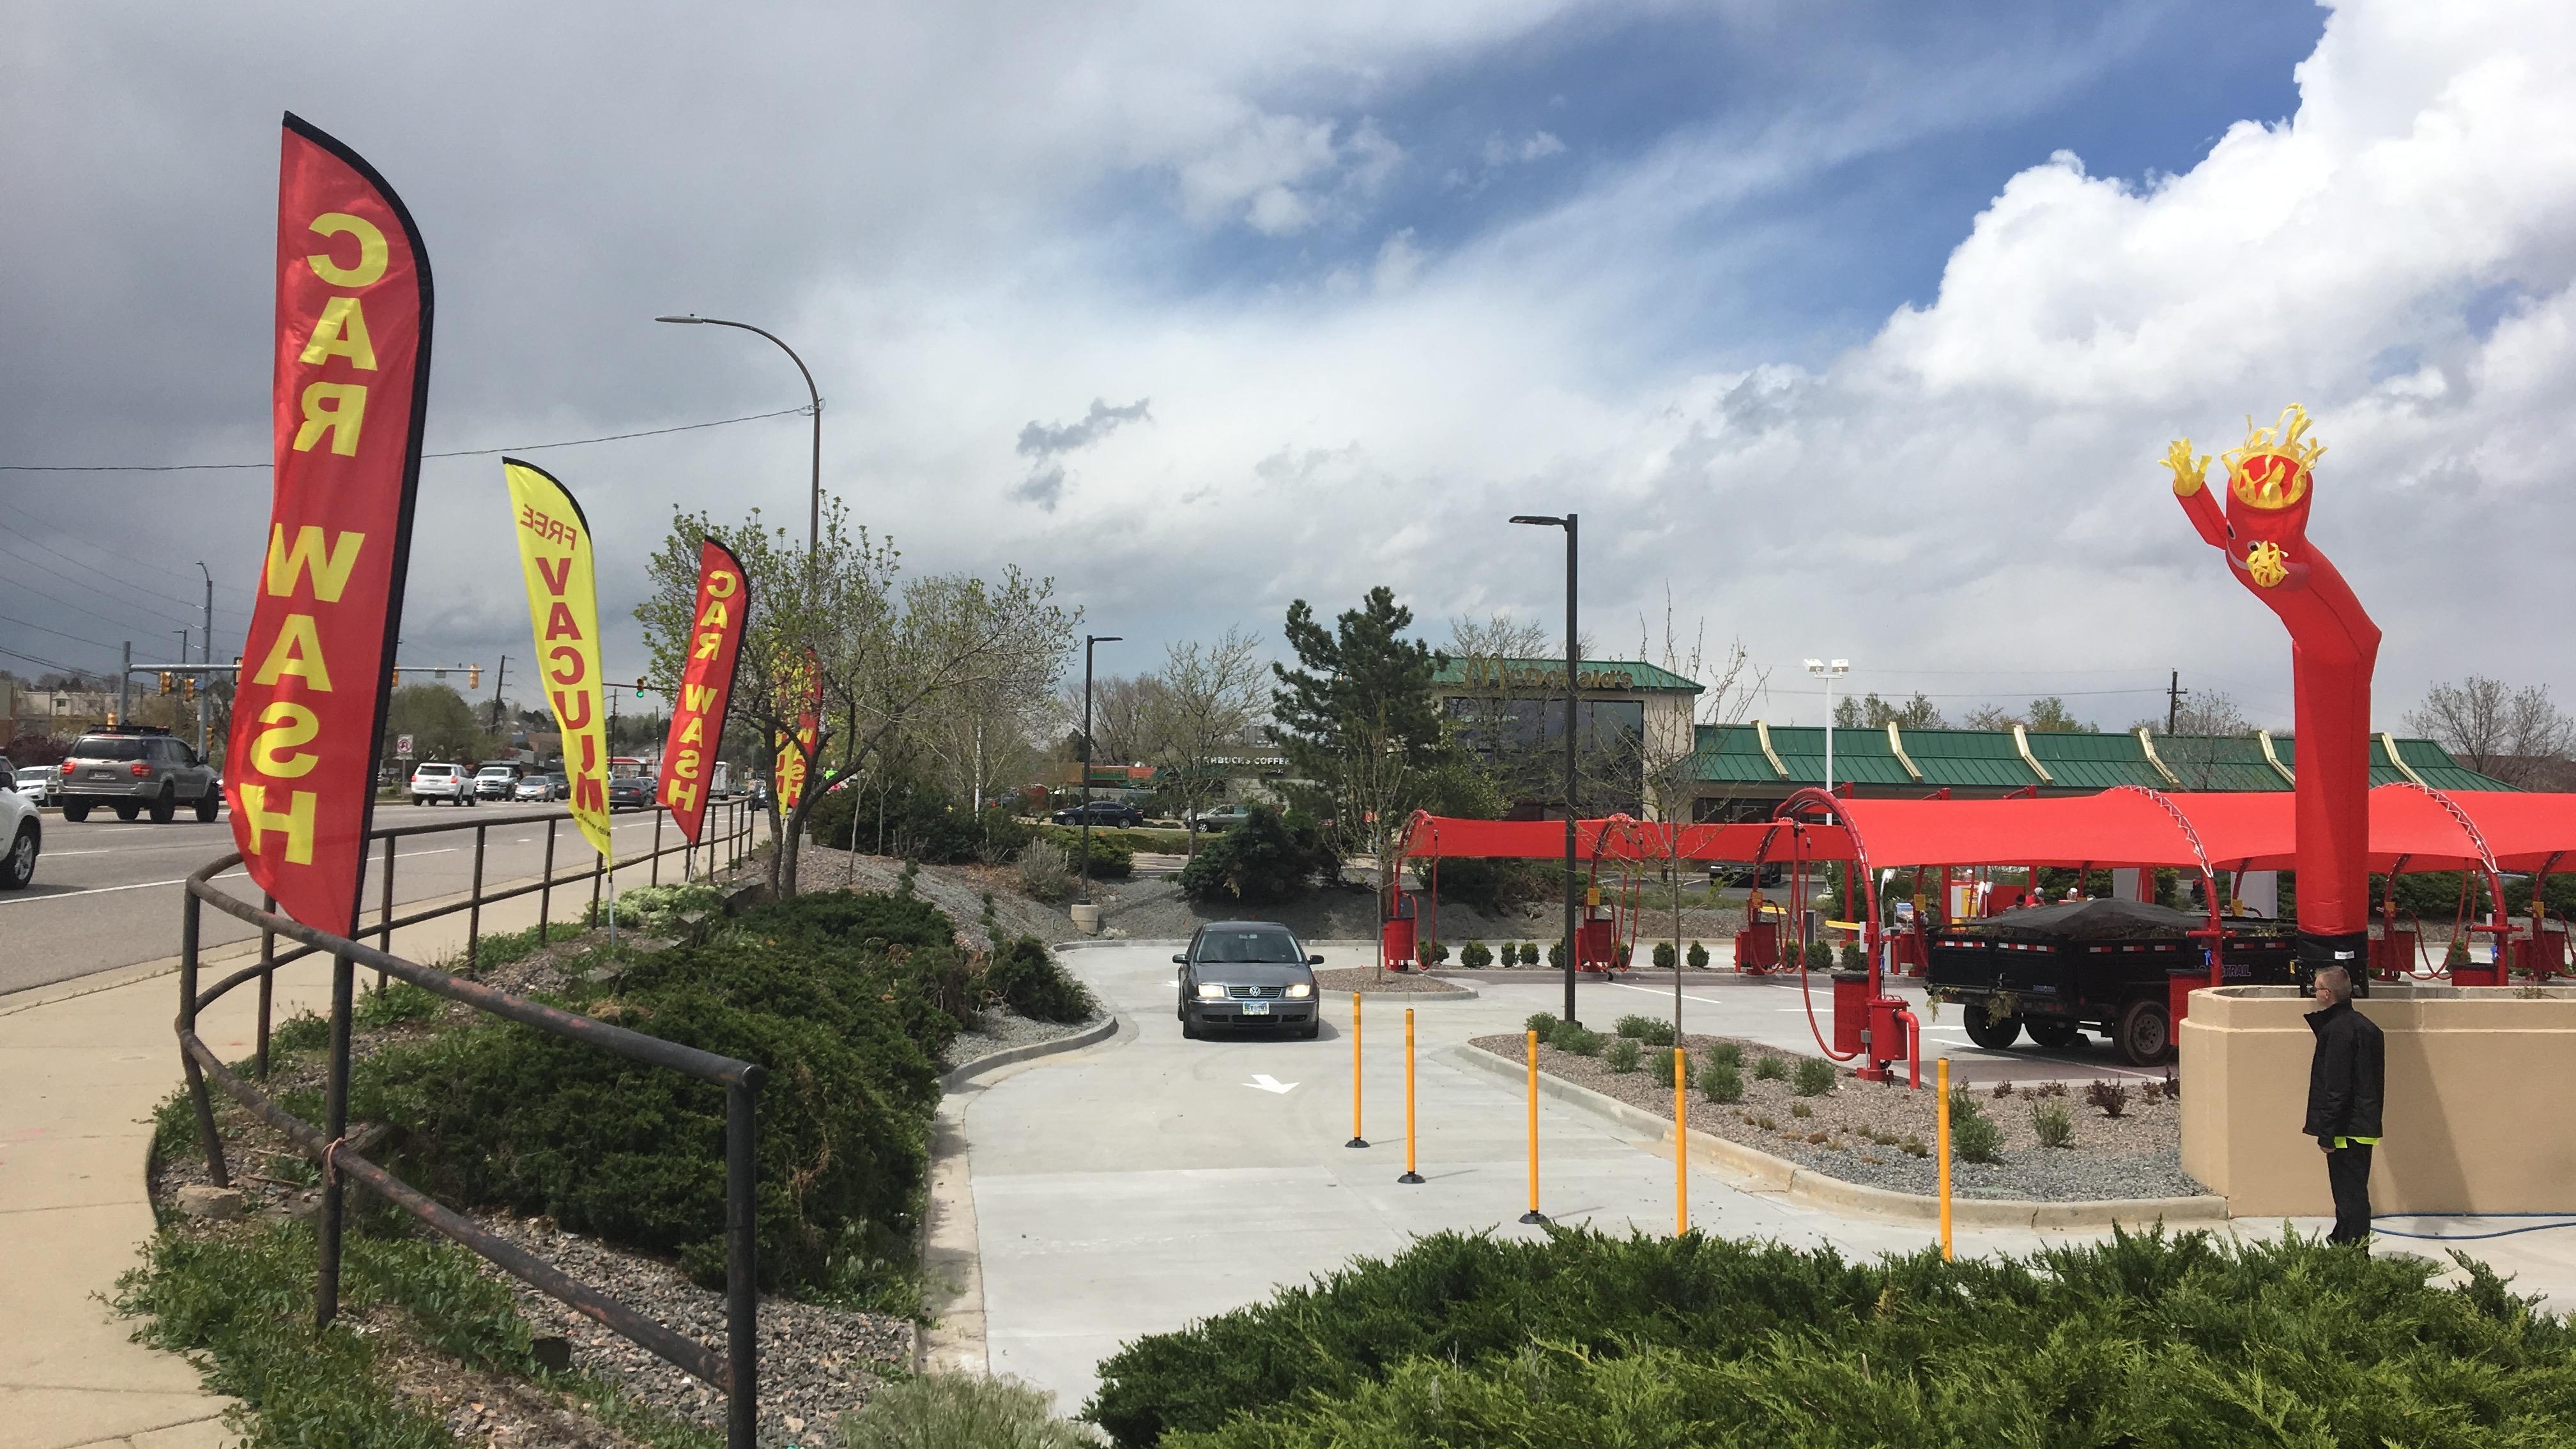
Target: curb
[
  {"x": 1099, "y": 1031},
  {"x": 1461, "y": 992},
  {"x": 1804, "y": 1185}
]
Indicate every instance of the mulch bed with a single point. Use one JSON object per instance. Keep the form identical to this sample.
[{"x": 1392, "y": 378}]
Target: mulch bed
[
  {"x": 1369, "y": 980},
  {"x": 1859, "y": 1131}
]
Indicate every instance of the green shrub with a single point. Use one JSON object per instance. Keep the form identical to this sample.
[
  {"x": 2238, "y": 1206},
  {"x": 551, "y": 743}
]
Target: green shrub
[
  {"x": 1653, "y": 1031},
  {"x": 1574, "y": 1037},
  {"x": 1663, "y": 955},
  {"x": 1529, "y": 953},
  {"x": 1044, "y": 871},
  {"x": 1815, "y": 1077},
  {"x": 1853, "y": 958},
  {"x": 664, "y": 910},
  {"x": 1433, "y": 953},
  {"x": 1028, "y": 979},
  {"x": 1621, "y": 1055},
  {"x": 302, "y": 1032},
  {"x": 1555, "y": 955},
  {"x": 501, "y": 1115},
  {"x": 1670, "y": 1063},
  {"x": 1819, "y": 956},
  {"x": 960, "y": 1411},
  {"x": 1544, "y": 1023},
  {"x": 1582, "y": 1339},
  {"x": 1109, "y": 859},
  {"x": 848, "y": 918},
  {"x": 1265, "y": 860},
  {"x": 1726, "y": 1053},
  {"x": 1721, "y": 1082},
  {"x": 1770, "y": 1067},
  {"x": 920, "y": 821},
  {"x": 2052, "y": 1123},
  {"x": 1698, "y": 957},
  {"x": 1475, "y": 955},
  {"x": 398, "y": 1002},
  {"x": 1973, "y": 1135}
]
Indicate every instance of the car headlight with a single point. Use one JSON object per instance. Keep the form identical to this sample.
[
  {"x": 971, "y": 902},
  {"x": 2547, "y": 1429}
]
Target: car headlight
[
  {"x": 1301, "y": 990},
  {"x": 1211, "y": 991}
]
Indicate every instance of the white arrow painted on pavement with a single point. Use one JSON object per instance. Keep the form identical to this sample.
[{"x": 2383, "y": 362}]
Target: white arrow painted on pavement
[{"x": 1263, "y": 1081}]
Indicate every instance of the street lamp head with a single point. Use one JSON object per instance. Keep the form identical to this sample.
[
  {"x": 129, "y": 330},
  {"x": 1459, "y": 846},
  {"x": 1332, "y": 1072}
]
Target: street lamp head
[
  {"x": 1822, "y": 669},
  {"x": 692, "y": 319},
  {"x": 1815, "y": 666},
  {"x": 1101, "y": 638},
  {"x": 1540, "y": 519}
]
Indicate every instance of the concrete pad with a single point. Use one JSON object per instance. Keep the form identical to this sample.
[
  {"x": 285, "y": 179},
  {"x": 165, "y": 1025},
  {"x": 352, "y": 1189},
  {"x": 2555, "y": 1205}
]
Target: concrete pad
[{"x": 49, "y": 1417}]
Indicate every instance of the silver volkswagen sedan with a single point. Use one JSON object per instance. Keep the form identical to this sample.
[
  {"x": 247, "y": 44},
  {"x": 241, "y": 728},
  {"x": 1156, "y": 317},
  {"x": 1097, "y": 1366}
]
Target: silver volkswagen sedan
[{"x": 1247, "y": 974}]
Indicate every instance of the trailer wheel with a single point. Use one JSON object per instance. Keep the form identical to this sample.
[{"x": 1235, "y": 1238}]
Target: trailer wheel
[
  {"x": 2145, "y": 1033},
  {"x": 1991, "y": 1032},
  {"x": 2053, "y": 1032}
]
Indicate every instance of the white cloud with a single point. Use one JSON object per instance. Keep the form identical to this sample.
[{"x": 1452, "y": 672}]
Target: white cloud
[{"x": 1538, "y": 146}]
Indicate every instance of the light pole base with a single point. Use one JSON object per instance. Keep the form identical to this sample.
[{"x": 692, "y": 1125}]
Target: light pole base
[
  {"x": 1411, "y": 1177},
  {"x": 1534, "y": 1216},
  {"x": 1356, "y": 1142}
]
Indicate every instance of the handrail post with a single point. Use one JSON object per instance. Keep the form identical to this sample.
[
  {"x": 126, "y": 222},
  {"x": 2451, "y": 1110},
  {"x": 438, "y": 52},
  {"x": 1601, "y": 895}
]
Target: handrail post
[
  {"x": 1941, "y": 1146},
  {"x": 385, "y": 912},
  {"x": 474, "y": 905},
  {"x": 214, "y": 1143},
  {"x": 267, "y": 980},
  {"x": 546, "y": 892},
  {"x": 1409, "y": 1176},
  {"x": 1530, "y": 1057},
  {"x": 742, "y": 1283},
  {"x": 335, "y": 1126},
  {"x": 598, "y": 863},
  {"x": 656, "y": 877},
  {"x": 1357, "y": 1139}
]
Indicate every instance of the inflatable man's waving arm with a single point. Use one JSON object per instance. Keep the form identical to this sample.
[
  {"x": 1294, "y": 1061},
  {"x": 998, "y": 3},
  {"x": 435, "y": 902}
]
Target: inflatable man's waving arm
[{"x": 2191, "y": 487}]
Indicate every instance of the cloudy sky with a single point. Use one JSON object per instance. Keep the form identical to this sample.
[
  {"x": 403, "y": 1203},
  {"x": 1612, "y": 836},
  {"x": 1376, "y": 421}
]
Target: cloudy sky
[{"x": 1858, "y": 326}]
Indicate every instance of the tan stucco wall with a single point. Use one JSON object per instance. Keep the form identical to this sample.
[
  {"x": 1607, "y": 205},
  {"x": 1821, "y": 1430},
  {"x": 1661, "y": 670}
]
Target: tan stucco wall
[
  {"x": 1670, "y": 732},
  {"x": 2471, "y": 1124}
]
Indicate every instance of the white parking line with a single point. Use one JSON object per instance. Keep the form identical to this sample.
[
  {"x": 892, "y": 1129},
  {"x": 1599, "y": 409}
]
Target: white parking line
[{"x": 110, "y": 890}]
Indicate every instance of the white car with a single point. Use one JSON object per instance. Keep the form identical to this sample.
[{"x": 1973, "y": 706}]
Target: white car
[
  {"x": 538, "y": 787},
  {"x": 36, "y": 782},
  {"x": 22, "y": 833},
  {"x": 441, "y": 781}
]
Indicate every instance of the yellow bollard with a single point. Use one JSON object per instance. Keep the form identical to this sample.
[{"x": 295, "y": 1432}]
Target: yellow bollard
[
  {"x": 1681, "y": 1140},
  {"x": 1356, "y": 1139},
  {"x": 1533, "y": 1215},
  {"x": 1409, "y": 1174},
  {"x": 1941, "y": 1134}
]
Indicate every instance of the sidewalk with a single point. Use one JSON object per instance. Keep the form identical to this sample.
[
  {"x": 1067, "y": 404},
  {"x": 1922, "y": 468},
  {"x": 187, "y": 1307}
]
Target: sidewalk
[{"x": 87, "y": 1061}]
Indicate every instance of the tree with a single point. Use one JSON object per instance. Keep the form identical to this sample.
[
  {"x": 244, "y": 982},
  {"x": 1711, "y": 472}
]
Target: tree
[
  {"x": 882, "y": 653},
  {"x": 1208, "y": 699},
  {"x": 2513, "y": 735},
  {"x": 2047, "y": 715},
  {"x": 1872, "y": 712},
  {"x": 441, "y": 724},
  {"x": 2193, "y": 751},
  {"x": 1123, "y": 710},
  {"x": 1671, "y": 763},
  {"x": 1356, "y": 718}
]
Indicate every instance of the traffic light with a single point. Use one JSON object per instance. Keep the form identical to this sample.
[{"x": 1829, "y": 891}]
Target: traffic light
[
  {"x": 397, "y": 679},
  {"x": 165, "y": 681},
  {"x": 639, "y": 686},
  {"x": 474, "y": 679},
  {"x": 188, "y": 690}
]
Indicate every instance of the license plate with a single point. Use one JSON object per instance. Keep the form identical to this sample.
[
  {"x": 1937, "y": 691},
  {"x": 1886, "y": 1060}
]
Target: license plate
[{"x": 1256, "y": 1008}]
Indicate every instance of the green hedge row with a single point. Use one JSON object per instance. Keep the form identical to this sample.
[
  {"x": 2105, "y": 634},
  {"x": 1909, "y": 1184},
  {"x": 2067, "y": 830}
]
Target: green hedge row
[{"x": 1583, "y": 1339}]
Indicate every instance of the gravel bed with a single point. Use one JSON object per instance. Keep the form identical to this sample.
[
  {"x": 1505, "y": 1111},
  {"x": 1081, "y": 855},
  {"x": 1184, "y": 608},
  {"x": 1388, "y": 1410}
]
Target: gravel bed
[
  {"x": 1368, "y": 979},
  {"x": 816, "y": 1363},
  {"x": 956, "y": 889},
  {"x": 1001, "y": 1030},
  {"x": 1865, "y": 1126}
]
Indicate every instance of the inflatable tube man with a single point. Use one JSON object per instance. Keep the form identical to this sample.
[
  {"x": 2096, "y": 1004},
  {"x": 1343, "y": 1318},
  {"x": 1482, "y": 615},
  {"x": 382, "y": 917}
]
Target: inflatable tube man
[{"x": 2333, "y": 645}]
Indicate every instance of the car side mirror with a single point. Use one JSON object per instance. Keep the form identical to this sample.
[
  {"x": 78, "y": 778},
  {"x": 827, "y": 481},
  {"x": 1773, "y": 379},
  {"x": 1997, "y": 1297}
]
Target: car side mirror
[
  {"x": 1314, "y": 960},
  {"x": 1181, "y": 960}
]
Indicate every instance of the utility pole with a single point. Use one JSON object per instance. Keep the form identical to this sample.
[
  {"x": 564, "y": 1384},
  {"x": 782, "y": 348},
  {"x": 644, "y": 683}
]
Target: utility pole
[
  {"x": 1573, "y": 697},
  {"x": 2173, "y": 702},
  {"x": 205, "y": 655},
  {"x": 497, "y": 676},
  {"x": 125, "y": 685},
  {"x": 1089, "y": 641}
]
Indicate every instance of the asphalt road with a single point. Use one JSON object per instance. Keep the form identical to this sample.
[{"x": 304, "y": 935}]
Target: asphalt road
[{"x": 107, "y": 892}]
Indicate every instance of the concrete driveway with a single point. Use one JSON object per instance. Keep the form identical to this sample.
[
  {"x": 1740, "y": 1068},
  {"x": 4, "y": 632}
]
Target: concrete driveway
[{"x": 1138, "y": 1185}]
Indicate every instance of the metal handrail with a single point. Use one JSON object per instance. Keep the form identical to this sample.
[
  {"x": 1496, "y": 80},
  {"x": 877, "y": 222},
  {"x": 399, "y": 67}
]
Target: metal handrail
[{"x": 736, "y": 1371}]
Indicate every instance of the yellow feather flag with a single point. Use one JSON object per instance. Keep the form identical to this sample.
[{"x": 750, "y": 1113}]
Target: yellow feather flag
[{"x": 563, "y": 609}]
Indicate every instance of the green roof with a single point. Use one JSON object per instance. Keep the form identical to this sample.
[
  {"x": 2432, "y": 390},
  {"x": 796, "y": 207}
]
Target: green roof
[
  {"x": 1990, "y": 760},
  {"x": 1625, "y": 675}
]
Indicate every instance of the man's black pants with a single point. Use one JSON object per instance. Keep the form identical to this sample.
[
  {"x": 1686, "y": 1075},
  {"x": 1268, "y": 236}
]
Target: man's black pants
[{"x": 2348, "y": 1173}]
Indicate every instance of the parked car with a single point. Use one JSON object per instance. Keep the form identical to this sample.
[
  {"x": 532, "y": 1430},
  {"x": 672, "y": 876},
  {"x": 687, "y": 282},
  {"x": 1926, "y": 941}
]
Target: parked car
[
  {"x": 135, "y": 768},
  {"x": 538, "y": 787},
  {"x": 630, "y": 792},
  {"x": 1249, "y": 974},
  {"x": 1103, "y": 813},
  {"x": 496, "y": 782},
  {"x": 36, "y": 783},
  {"x": 22, "y": 831},
  {"x": 1218, "y": 817},
  {"x": 441, "y": 780}
]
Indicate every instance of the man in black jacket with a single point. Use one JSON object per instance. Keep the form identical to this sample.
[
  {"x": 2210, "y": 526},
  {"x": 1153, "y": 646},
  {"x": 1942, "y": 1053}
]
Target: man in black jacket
[{"x": 2344, "y": 1085}]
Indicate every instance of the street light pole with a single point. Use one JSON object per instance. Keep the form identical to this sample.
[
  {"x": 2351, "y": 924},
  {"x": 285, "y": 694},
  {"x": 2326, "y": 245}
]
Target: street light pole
[
  {"x": 814, "y": 504},
  {"x": 205, "y": 655},
  {"x": 1571, "y": 652},
  {"x": 1088, "y": 641},
  {"x": 1828, "y": 672}
]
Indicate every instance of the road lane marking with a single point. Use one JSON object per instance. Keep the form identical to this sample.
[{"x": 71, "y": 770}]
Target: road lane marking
[
  {"x": 1264, "y": 1082},
  {"x": 110, "y": 890}
]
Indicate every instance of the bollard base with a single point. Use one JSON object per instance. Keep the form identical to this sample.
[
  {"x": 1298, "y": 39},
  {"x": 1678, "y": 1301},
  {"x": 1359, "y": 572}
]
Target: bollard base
[
  {"x": 1356, "y": 1142},
  {"x": 1534, "y": 1216},
  {"x": 1410, "y": 1177}
]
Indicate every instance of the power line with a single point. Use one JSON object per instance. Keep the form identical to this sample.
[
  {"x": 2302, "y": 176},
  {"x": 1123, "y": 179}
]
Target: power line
[
  {"x": 163, "y": 619},
  {"x": 457, "y": 453},
  {"x": 48, "y": 663},
  {"x": 191, "y": 605},
  {"x": 57, "y": 633}
]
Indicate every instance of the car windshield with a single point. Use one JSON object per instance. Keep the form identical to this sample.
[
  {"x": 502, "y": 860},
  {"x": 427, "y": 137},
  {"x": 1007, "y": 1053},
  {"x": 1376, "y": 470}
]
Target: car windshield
[
  {"x": 1250, "y": 948},
  {"x": 108, "y": 747}
]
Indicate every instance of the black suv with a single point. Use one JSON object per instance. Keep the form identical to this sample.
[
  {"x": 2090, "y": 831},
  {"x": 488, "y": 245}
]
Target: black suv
[
  {"x": 134, "y": 768},
  {"x": 1102, "y": 813}
]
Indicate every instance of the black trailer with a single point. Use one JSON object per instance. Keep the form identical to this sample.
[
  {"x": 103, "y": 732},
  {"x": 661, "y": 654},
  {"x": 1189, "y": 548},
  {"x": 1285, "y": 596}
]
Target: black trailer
[{"x": 2055, "y": 971}]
